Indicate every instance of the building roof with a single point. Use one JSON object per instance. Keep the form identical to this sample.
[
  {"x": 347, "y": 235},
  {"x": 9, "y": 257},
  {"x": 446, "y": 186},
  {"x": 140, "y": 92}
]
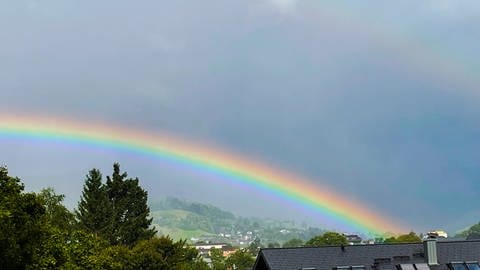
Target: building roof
[{"x": 377, "y": 256}]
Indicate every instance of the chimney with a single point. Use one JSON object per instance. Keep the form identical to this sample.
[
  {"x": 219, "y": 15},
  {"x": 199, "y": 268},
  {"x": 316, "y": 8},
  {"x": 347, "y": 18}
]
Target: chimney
[{"x": 430, "y": 249}]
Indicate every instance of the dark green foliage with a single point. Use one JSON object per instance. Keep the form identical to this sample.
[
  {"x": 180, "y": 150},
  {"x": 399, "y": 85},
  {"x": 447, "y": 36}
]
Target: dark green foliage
[
  {"x": 196, "y": 222},
  {"x": 94, "y": 207},
  {"x": 273, "y": 245},
  {"x": 38, "y": 232},
  {"x": 255, "y": 247},
  {"x": 472, "y": 233},
  {"x": 56, "y": 213},
  {"x": 22, "y": 227},
  {"x": 164, "y": 253},
  {"x": 293, "y": 243},
  {"x": 327, "y": 239},
  {"x": 117, "y": 211},
  {"x": 242, "y": 259},
  {"x": 405, "y": 238},
  {"x": 218, "y": 260},
  {"x": 129, "y": 210}
]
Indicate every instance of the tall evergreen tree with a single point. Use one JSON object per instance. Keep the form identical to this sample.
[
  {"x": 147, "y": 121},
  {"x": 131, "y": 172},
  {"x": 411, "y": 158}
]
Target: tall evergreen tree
[
  {"x": 116, "y": 210},
  {"x": 94, "y": 207},
  {"x": 129, "y": 218}
]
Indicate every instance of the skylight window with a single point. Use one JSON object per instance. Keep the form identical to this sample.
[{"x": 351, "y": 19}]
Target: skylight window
[
  {"x": 458, "y": 266},
  {"x": 473, "y": 265}
]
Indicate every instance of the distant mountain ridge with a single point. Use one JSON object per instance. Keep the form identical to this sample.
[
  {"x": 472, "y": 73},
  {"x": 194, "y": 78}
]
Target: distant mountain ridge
[{"x": 202, "y": 222}]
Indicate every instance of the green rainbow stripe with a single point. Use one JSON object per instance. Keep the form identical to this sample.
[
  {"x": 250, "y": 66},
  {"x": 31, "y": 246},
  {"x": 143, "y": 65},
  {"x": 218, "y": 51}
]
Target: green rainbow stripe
[{"x": 329, "y": 206}]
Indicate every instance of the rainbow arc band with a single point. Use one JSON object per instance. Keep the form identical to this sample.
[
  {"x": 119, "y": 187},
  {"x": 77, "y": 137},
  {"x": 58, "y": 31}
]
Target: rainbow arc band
[{"x": 287, "y": 186}]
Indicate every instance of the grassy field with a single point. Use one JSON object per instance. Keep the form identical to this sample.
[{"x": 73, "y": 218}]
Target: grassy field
[{"x": 167, "y": 222}]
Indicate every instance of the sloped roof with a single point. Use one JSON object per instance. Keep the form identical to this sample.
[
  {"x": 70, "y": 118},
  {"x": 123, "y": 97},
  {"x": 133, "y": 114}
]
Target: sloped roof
[{"x": 326, "y": 258}]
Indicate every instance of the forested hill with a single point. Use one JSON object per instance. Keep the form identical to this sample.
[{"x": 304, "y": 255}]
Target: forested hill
[
  {"x": 201, "y": 222},
  {"x": 200, "y": 209}
]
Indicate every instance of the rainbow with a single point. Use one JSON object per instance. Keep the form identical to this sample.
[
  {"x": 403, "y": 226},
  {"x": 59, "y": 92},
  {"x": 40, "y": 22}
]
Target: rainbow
[{"x": 288, "y": 187}]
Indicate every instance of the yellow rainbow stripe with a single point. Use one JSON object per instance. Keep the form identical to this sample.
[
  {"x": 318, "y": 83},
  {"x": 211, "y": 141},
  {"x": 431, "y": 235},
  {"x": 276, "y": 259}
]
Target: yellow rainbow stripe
[{"x": 292, "y": 188}]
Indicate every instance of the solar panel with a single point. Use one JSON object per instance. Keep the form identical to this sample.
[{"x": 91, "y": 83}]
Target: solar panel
[
  {"x": 423, "y": 266},
  {"x": 473, "y": 266}
]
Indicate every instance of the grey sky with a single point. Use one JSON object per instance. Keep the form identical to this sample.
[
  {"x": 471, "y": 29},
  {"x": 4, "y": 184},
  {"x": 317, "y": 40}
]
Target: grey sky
[{"x": 378, "y": 101}]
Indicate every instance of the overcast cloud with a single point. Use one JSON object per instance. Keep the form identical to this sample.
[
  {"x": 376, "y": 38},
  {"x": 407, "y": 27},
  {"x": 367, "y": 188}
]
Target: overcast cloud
[{"x": 378, "y": 101}]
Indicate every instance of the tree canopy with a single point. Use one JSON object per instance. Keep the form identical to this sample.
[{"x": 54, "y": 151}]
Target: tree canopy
[
  {"x": 471, "y": 233},
  {"x": 22, "y": 224},
  {"x": 116, "y": 210},
  {"x": 404, "y": 238},
  {"x": 327, "y": 239},
  {"x": 295, "y": 242},
  {"x": 38, "y": 232}
]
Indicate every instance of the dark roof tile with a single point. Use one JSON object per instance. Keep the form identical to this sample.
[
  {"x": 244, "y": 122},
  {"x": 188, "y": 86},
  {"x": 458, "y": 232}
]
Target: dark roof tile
[{"x": 326, "y": 258}]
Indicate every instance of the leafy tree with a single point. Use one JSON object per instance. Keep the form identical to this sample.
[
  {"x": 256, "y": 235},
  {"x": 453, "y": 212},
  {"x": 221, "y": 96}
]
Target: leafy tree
[
  {"x": 241, "y": 259},
  {"x": 116, "y": 257},
  {"x": 22, "y": 228},
  {"x": 94, "y": 207},
  {"x": 57, "y": 214},
  {"x": 255, "y": 246},
  {"x": 327, "y": 239},
  {"x": 293, "y": 243},
  {"x": 84, "y": 250},
  {"x": 218, "y": 260},
  {"x": 273, "y": 245},
  {"x": 162, "y": 253},
  {"x": 404, "y": 238},
  {"x": 129, "y": 219},
  {"x": 472, "y": 233},
  {"x": 58, "y": 223}
]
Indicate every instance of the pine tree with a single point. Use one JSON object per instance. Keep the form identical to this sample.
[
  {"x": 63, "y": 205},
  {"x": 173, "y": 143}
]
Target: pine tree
[
  {"x": 129, "y": 218},
  {"x": 94, "y": 207}
]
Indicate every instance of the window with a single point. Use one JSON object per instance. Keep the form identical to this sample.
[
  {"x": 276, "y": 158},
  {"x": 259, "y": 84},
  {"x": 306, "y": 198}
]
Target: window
[
  {"x": 457, "y": 266},
  {"x": 473, "y": 265}
]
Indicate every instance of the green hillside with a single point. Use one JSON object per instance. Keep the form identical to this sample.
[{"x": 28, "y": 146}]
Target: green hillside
[{"x": 201, "y": 222}]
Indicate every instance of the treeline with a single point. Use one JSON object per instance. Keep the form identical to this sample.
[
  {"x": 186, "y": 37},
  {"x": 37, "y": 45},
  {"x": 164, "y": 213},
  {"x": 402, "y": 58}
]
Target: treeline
[
  {"x": 471, "y": 233},
  {"x": 208, "y": 211},
  {"x": 110, "y": 229}
]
